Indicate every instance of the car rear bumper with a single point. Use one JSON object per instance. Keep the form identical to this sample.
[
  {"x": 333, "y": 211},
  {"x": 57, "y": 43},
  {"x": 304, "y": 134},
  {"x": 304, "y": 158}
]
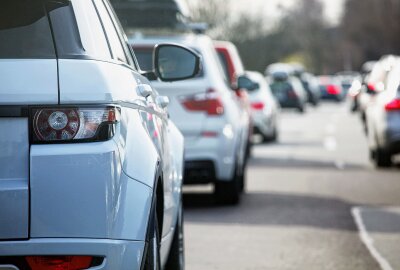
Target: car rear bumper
[
  {"x": 393, "y": 143},
  {"x": 215, "y": 155},
  {"x": 263, "y": 124},
  {"x": 112, "y": 254},
  {"x": 199, "y": 172},
  {"x": 290, "y": 103},
  {"x": 392, "y": 133},
  {"x": 331, "y": 97}
]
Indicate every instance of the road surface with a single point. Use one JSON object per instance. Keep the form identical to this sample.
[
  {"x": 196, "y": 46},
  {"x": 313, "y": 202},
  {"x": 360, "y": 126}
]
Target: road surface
[{"x": 313, "y": 201}]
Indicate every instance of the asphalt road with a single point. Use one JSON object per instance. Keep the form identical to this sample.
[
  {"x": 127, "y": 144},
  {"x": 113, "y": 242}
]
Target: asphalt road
[{"x": 313, "y": 201}]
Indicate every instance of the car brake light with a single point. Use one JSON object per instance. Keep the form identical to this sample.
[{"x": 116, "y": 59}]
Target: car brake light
[
  {"x": 394, "y": 105},
  {"x": 72, "y": 124},
  {"x": 258, "y": 106},
  {"x": 208, "y": 102},
  {"x": 291, "y": 94},
  {"x": 376, "y": 87},
  {"x": 59, "y": 262},
  {"x": 333, "y": 89}
]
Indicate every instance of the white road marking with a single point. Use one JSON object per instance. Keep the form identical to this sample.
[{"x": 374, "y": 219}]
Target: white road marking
[
  {"x": 367, "y": 240},
  {"x": 330, "y": 143},
  {"x": 330, "y": 129}
]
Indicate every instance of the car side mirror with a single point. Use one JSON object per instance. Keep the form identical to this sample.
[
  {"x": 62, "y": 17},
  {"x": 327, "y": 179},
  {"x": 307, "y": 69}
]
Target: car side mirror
[
  {"x": 174, "y": 62},
  {"x": 245, "y": 82}
]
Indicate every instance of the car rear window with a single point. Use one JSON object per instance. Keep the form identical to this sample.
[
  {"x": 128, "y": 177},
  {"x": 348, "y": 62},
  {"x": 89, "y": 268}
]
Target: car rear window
[
  {"x": 279, "y": 87},
  {"x": 25, "y": 30}
]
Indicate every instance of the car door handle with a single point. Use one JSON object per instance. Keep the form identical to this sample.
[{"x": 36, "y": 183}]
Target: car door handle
[{"x": 144, "y": 90}]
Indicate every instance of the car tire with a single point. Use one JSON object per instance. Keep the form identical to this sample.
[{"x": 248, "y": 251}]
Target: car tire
[
  {"x": 301, "y": 109},
  {"x": 176, "y": 257},
  {"x": 228, "y": 193},
  {"x": 153, "y": 261},
  {"x": 382, "y": 158},
  {"x": 271, "y": 138}
]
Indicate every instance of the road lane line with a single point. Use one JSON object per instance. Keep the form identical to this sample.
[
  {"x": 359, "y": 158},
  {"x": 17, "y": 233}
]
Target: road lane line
[
  {"x": 330, "y": 129},
  {"x": 330, "y": 143},
  {"x": 367, "y": 240}
]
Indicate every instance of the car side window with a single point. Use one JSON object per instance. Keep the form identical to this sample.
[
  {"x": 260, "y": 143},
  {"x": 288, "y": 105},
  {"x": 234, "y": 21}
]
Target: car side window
[
  {"x": 111, "y": 33},
  {"x": 127, "y": 48},
  {"x": 91, "y": 31}
]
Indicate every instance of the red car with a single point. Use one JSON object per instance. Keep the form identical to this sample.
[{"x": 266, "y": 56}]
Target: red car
[{"x": 233, "y": 68}]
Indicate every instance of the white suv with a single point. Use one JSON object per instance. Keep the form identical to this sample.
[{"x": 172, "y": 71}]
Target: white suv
[{"x": 208, "y": 114}]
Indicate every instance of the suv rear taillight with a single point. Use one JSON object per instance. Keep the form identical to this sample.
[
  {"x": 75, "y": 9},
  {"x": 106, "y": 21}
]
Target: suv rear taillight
[
  {"x": 257, "y": 106},
  {"x": 73, "y": 124},
  {"x": 59, "y": 262},
  {"x": 394, "y": 105},
  {"x": 333, "y": 89},
  {"x": 208, "y": 102}
]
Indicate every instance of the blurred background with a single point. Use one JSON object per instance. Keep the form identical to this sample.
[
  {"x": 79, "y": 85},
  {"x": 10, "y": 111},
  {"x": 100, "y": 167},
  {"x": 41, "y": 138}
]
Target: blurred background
[{"x": 326, "y": 36}]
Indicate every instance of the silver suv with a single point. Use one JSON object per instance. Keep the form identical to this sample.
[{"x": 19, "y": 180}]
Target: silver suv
[{"x": 91, "y": 166}]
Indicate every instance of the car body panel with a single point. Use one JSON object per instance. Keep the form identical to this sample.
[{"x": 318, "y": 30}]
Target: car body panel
[
  {"x": 97, "y": 83},
  {"x": 99, "y": 194},
  {"x": 14, "y": 178},
  {"x": 21, "y": 83}
]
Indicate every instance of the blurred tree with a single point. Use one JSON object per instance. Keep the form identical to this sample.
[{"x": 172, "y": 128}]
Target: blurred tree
[
  {"x": 213, "y": 12},
  {"x": 370, "y": 29}
]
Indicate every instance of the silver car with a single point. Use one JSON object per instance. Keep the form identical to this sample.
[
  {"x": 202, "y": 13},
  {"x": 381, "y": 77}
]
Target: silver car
[
  {"x": 91, "y": 166},
  {"x": 383, "y": 119},
  {"x": 207, "y": 112},
  {"x": 264, "y": 107}
]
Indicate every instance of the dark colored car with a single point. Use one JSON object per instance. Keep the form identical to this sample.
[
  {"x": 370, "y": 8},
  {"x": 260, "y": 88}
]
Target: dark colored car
[
  {"x": 288, "y": 90},
  {"x": 331, "y": 88}
]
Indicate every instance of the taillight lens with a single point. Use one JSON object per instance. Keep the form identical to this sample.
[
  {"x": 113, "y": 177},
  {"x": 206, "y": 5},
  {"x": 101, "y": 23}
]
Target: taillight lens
[
  {"x": 291, "y": 93},
  {"x": 333, "y": 89},
  {"x": 71, "y": 124},
  {"x": 258, "y": 106},
  {"x": 59, "y": 262},
  {"x": 394, "y": 105},
  {"x": 208, "y": 102}
]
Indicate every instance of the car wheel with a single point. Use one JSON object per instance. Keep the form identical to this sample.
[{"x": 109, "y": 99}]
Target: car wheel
[
  {"x": 382, "y": 159},
  {"x": 301, "y": 109},
  {"x": 228, "y": 193},
  {"x": 176, "y": 258},
  {"x": 272, "y": 138},
  {"x": 153, "y": 251}
]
